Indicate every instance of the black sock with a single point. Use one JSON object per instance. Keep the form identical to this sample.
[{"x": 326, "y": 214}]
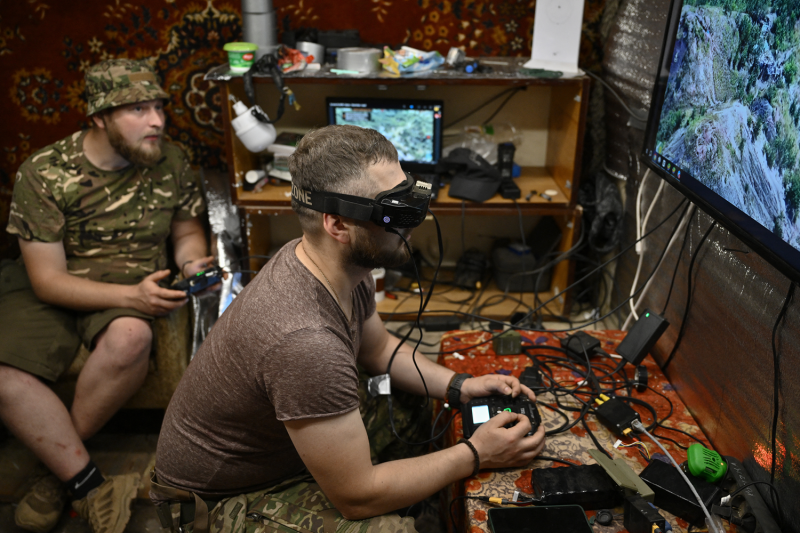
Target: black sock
[{"x": 87, "y": 479}]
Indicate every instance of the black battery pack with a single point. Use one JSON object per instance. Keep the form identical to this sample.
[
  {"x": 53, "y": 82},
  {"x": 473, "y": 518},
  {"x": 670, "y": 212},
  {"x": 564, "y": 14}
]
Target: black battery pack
[
  {"x": 674, "y": 496},
  {"x": 587, "y": 485},
  {"x": 640, "y": 516}
]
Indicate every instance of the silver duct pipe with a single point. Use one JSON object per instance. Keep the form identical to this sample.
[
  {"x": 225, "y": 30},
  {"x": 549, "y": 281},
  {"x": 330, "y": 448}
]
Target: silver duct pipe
[{"x": 259, "y": 25}]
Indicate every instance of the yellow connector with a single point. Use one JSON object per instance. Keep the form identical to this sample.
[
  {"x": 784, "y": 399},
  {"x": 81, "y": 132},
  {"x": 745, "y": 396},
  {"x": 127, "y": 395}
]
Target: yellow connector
[
  {"x": 498, "y": 501},
  {"x": 627, "y": 431},
  {"x": 601, "y": 400}
]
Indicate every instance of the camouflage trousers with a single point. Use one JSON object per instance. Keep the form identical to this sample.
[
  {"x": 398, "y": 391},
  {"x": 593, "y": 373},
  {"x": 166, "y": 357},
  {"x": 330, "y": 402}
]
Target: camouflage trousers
[{"x": 298, "y": 505}]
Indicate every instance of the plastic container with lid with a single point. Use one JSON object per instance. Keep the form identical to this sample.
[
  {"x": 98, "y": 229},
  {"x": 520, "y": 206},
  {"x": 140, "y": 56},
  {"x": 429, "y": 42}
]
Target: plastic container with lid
[{"x": 240, "y": 55}]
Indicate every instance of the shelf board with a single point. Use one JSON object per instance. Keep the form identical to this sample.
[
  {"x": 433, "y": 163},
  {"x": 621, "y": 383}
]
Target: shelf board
[
  {"x": 276, "y": 199},
  {"x": 504, "y": 71},
  {"x": 406, "y": 306}
]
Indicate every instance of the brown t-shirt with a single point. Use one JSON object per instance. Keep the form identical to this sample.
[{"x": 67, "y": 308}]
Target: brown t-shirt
[{"x": 283, "y": 350}]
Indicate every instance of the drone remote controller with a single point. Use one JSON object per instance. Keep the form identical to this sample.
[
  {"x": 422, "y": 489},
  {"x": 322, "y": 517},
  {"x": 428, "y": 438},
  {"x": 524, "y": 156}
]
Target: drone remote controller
[
  {"x": 202, "y": 280},
  {"x": 480, "y": 410}
]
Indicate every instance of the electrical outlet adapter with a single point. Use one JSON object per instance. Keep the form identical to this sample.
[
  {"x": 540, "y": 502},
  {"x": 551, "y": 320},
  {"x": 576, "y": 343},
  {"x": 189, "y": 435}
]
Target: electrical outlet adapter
[
  {"x": 579, "y": 345},
  {"x": 531, "y": 377}
]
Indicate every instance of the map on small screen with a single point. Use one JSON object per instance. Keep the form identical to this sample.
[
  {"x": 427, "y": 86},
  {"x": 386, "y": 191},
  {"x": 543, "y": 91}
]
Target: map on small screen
[{"x": 411, "y": 131}]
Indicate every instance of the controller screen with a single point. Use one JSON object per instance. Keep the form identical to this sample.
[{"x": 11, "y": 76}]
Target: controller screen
[{"x": 480, "y": 414}]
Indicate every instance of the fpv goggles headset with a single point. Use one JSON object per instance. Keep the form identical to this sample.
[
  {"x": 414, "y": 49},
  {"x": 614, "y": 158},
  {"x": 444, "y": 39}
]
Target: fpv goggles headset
[{"x": 404, "y": 206}]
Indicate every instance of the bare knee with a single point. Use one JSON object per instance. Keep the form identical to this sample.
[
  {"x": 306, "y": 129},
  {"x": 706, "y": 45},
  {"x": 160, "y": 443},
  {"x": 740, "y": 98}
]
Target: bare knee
[
  {"x": 126, "y": 342},
  {"x": 14, "y": 383}
]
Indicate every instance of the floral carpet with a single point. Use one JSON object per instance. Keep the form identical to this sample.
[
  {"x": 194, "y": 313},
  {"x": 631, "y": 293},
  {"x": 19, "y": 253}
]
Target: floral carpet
[{"x": 46, "y": 45}]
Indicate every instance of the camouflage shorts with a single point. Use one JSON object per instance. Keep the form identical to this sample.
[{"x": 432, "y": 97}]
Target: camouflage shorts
[{"x": 296, "y": 506}]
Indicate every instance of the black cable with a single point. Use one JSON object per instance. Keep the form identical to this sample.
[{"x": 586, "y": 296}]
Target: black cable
[
  {"x": 627, "y": 248},
  {"x": 524, "y": 254},
  {"x": 501, "y": 106},
  {"x": 676, "y": 430},
  {"x": 776, "y": 388},
  {"x": 678, "y": 260},
  {"x": 424, "y": 299},
  {"x": 625, "y": 301},
  {"x": 676, "y": 443},
  {"x": 682, "y": 330},
  {"x": 463, "y": 221},
  {"x": 554, "y": 460},
  {"x": 453, "y": 516},
  {"x": 618, "y": 97},
  {"x": 614, "y": 258},
  {"x": 671, "y": 407},
  {"x": 771, "y": 486},
  {"x": 487, "y": 102},
  {"x": 594, "y": 439},
  {"x": 434, "y": 437},
  {"x": 399, "y": 335}
]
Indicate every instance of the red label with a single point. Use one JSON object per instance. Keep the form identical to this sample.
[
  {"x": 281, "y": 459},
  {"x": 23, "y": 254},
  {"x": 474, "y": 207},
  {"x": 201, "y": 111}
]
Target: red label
[{"x": 247, "y": 57}]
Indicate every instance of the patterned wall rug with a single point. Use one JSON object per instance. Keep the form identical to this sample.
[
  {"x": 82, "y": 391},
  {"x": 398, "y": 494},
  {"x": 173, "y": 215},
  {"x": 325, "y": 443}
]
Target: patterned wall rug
[{"x": 45, "y": 46}]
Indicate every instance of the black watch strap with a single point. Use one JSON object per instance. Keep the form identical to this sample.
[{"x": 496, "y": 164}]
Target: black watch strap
[{"x": 454, "y": 390}]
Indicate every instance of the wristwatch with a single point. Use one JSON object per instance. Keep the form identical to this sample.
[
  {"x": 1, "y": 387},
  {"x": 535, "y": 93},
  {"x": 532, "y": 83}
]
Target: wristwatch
[{"x": 453, "y": 395}]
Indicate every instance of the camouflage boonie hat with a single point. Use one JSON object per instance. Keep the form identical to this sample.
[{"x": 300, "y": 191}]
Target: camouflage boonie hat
[{"x": 116, "y": 82}]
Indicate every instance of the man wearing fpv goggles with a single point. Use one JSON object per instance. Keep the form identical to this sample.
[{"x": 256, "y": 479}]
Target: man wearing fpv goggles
[{"x": 270, "y": 407}]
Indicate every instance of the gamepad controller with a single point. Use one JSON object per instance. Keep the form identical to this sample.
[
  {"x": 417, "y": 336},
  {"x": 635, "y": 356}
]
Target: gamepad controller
[
  {"x": 480, "y": 410},
  {"x": 202, "y": 280}
]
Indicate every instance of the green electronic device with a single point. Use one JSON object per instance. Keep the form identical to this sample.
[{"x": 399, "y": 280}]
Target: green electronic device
[
  {"x": 705, "y": 464},
  {"x": 508, "y": 343}
]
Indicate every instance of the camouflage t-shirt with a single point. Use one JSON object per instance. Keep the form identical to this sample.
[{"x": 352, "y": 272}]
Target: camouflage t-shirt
[{"x": 114, "y": 224}]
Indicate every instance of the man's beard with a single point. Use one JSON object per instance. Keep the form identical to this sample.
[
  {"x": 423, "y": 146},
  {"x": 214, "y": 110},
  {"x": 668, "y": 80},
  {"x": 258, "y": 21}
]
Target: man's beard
[
  {"x": 366, "y": 252},
  {"x": 138, "y": 155}
]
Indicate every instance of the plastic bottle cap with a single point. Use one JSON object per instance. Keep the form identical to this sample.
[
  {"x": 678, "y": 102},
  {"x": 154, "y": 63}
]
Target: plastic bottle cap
[
  {"x": 244, "y": 122},
  {"x": 252, "y": 176},
  {"x": 240, "y": 108}
]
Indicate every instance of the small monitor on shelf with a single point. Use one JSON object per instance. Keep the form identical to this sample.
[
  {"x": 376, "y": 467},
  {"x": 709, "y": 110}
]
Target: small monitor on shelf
[{"x": 413, "y": 126}]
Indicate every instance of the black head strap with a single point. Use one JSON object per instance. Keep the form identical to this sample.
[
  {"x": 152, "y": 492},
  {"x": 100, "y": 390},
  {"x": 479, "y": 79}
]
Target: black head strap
[{"x": 335, "y": 204}]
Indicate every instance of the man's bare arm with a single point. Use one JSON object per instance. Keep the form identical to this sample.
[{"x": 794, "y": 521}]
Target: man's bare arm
[
  {"x": 189, "y": 243},
  {"x": 46, "y": 263},
  {"x": 336, "y": 452},
  {"x": 377, "y": 346}
]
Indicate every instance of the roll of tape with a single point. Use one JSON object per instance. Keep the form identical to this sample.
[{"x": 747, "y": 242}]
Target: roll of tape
[
  {"x": 363, "y": 60},
  {"x": 312, "y": 49}
]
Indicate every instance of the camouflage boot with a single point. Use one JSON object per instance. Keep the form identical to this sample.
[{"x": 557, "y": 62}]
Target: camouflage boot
[
  {"x": 108, "y": 507},
  {"x": 40, "y": 509}
]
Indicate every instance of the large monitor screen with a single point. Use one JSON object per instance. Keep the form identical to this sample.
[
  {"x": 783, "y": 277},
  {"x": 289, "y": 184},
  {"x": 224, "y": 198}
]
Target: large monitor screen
[
  {"x": 725, "y": 117},
  {"x": 414, "y": 127}
]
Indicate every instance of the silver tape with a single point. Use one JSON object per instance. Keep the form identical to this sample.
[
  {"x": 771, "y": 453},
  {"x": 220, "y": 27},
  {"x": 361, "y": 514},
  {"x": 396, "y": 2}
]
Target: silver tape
[{"x": 363, "y": 60}]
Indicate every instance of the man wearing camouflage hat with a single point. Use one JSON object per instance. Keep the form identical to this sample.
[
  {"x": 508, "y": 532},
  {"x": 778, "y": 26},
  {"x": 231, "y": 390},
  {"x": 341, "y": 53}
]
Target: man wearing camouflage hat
[{"x": 93, "y": 213}]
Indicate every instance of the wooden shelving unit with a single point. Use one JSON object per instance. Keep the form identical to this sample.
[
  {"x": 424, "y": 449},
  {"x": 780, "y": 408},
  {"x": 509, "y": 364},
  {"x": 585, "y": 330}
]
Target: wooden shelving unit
[{"x": 550, "y": 113}]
